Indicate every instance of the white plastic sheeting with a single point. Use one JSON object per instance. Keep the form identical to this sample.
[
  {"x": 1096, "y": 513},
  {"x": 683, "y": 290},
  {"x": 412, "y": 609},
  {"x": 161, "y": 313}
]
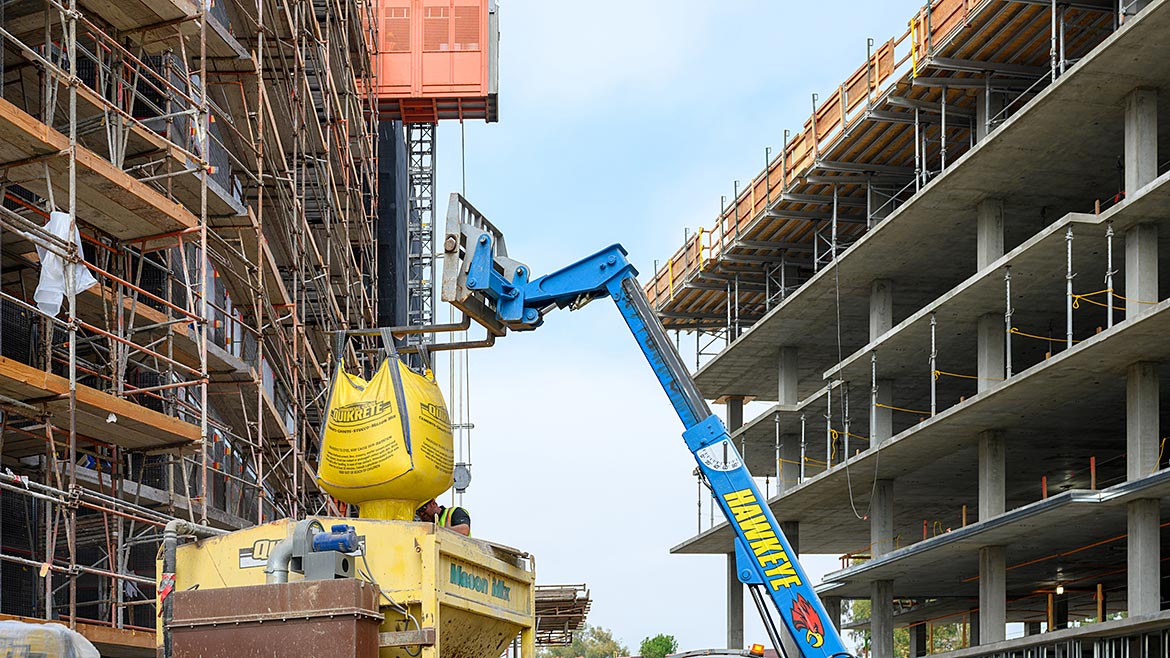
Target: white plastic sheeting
[
  {"x": 20, "y": 639},
  {"x": 51, "y": 287}
]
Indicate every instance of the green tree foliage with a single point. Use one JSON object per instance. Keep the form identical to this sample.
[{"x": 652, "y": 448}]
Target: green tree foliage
[
  {"x": 589, "y": 642},
  {"x": 658, "y": 646},
  {"x": 946, "y": 637}
]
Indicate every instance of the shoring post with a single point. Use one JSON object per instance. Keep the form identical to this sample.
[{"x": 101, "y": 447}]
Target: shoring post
[
  {"x": 834, "y": 234},
  {"x": 1007, "y": 317},
  {"x": 873, "y": 392},
  {"x": 1093, "y": 473},
  {"x": 779, "y": 481},
  {"x": 1109, "y": 273},
  {"x": 933, "y": 364},
  {"x": 829, "y": 427},
  {"x": 943, "y": 132},
  {"x": 803, "y": 447},
  {"x": 1052, "y": 42},
  {"x": 917, "y": 151},
  {"x": 1068, "y": 284}
]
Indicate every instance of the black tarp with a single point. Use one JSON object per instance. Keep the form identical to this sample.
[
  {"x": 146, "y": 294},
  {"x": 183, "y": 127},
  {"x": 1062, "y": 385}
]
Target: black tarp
[{"x": 393, "y": 206}]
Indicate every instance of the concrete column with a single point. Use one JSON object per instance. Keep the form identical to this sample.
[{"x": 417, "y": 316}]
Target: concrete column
[
  {"x": 1143, "y": 551},
  {"x": 918, "y": 640},
  {"x": 1142, "y": 429},
  {"x": 790, "y": 462},
  {"x": 988, "y": 232},
  {"x": 881, "y": 620},
  {"x": 881, "y": 533},
  {"x": 791, "y": 530},
  {"x": 734, "y": 605},
  {"x": 992, "y": 474},
  {"x": 986, "y": 107},
  {"x": 881, "y": 519},
  {"x": 734, "y": 587},
  {"x": 881, "y": 320},
  {"x": 833, "y": 607},
  {"x": 1141, "y": 269},
  {"x": 990, "y": 358},
  {"x": 788, "y": 377},
  {"x": 1142, "y": 442},
  {"x": 1141, "y": 139},
  {"x": 1059, "y": 612},
  {"x": 881, "y": 307},
  {"x": 734, "y": 414},
  {"x": 992, "y": 594},
  {"x": 973, "y": 624}
]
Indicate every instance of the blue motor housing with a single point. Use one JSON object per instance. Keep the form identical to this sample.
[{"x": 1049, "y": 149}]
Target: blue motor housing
[{"x": 343, "y": 538}]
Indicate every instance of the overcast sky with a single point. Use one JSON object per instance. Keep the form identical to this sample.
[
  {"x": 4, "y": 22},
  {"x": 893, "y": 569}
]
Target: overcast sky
[{"x": 624, "y": 121}]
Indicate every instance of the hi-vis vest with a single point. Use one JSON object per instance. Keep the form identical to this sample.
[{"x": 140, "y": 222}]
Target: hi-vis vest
[{"x": 444, "y": 520}]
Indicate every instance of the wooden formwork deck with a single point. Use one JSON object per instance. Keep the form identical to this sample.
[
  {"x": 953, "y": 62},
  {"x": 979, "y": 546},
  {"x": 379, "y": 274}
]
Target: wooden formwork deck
[
  {"x": 107, "y": 197},
  {"x": 100, "y": 416},
  {"x": 863, "y": 133}
]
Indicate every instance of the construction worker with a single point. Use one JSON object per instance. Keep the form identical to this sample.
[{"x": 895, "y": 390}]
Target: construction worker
[{"x": 452, "y": 518}]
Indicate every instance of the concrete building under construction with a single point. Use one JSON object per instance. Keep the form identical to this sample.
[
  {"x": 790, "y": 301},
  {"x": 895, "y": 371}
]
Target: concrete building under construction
[{"x": 947, "y": 286}]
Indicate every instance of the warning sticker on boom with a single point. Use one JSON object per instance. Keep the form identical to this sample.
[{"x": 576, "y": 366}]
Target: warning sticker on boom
[{"x": 720, "y": 456}]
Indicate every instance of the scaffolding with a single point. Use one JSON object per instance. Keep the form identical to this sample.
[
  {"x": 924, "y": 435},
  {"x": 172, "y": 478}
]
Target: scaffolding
[{"x": 218, "y": 163}]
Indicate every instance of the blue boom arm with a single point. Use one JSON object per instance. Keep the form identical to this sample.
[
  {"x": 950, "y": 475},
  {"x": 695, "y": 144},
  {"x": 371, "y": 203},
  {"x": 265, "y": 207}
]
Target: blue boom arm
[{"x": 764, "y": 558}]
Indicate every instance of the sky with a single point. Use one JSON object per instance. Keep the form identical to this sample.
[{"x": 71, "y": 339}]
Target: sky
[{"x": 623, "y": 121}]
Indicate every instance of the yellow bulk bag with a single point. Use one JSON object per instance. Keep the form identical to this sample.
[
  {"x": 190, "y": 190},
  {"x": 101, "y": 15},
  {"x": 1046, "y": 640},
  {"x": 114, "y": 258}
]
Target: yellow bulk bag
[{"x": 386, "y": 445}]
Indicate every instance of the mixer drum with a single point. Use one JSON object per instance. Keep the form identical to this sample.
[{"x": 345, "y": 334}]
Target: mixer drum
[{"x": 386, "y": 440}]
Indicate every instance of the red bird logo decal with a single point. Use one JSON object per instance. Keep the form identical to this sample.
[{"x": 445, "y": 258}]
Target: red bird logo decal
[{"x": 806, "y": 619}]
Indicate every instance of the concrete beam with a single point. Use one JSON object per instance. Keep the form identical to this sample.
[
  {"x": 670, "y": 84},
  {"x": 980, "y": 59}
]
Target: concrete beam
[
  {"x": 992, "y": 474},
  {"x": 988, "y": 232},
  {"x": 992, "y": 594},
  {"x": 1141, "y": 139},
  {"x": 1141, "y": 269}
]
